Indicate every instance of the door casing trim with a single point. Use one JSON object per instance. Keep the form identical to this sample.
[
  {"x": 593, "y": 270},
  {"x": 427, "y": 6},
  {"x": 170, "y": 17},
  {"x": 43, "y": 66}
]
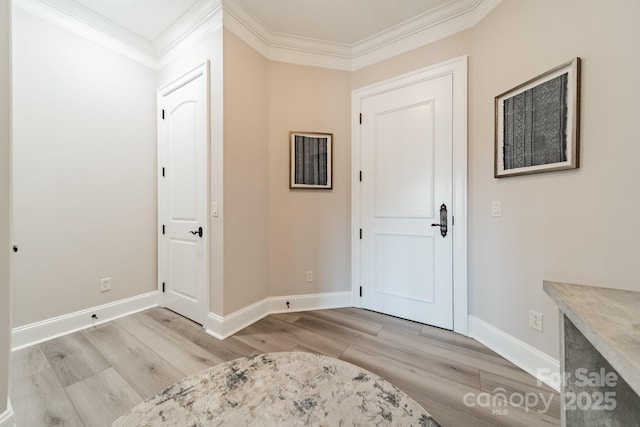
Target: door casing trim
[
  {"x": 203, "y": 69},
  {"x": 457, "y": 68}
]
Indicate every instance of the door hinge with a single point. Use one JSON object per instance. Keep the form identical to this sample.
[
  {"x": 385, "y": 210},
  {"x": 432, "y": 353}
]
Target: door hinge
[
  {"x": 360, "y": 291},
  {"x": 162, "y": 228},
  {"x": 162, "y": 172},
  {"x": 162, "y": 286},
  {"x": 360, "y": 118},
  {"x": 361, "y": 233},
  {"x": 162, "y": 114},
  {"x": 360, "y": 176},
  {"x": 453, "y": 220}
]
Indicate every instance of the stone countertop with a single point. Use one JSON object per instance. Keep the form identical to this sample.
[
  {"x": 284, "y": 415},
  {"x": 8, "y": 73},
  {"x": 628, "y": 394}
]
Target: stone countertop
[{"x": 609, "y": 319}]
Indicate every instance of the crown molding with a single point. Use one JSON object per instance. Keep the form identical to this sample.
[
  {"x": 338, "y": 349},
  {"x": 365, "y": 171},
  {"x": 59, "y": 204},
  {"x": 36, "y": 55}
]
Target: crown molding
[
  {"x": 283, "y": 47},
  {"x": 189, "y": 31},
  {"x": 210, "y": 15},
  {"x": 427, "y": 28},
  {"x": 191, "y": 22},
  {"x": 421, "y": 31},
  {"x": 419, "y": 24},
  {"x": 204, "y": 18},
  {"x": 84, "y": 23},
  {"x": 246, "y": 26}
]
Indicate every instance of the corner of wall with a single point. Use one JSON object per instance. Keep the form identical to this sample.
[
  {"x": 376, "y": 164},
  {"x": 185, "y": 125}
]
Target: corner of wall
[
  {"x": 540, "y": 365},
  {"x": 5, "y": 206},
  {"x": 245, "y": 187},
  {"x": 7, "y": 417},
  {"x": 222, "y": 327}
]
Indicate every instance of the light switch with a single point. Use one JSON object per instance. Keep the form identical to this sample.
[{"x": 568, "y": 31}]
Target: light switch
[
  {"x": 496, "y": 208},
  {"x": 214, "y": 209}
]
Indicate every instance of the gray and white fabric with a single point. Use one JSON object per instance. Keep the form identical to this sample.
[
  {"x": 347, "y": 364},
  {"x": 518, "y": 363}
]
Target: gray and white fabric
[
  {"x": 310, "y": 160},
  {"x": 280, "y": 389},
  {"x": 535, "y": 125}
]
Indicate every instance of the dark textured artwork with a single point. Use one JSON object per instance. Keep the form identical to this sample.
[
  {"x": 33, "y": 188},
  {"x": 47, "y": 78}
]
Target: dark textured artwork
[
  {"x": 311, "y": 160},
  {"x": 535, "y": 125}
]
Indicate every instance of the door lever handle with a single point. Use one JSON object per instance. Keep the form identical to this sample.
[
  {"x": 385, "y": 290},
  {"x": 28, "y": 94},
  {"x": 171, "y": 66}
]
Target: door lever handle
[
  {"x": 198, "y": 232},
  {"x": 443, "y": 221}
]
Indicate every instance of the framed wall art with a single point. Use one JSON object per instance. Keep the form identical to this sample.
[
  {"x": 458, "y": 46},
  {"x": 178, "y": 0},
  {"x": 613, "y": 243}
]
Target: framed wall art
[
  {"x": 537, "y": 124},
  {"x": 311, "y": 160}
]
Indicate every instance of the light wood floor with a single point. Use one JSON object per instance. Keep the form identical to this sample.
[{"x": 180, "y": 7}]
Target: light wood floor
[{"x": 92, "y": 377}]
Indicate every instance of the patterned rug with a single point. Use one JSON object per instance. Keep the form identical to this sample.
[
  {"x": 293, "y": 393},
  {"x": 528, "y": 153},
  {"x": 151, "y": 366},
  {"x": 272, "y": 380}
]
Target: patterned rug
[{"x": 280, "y": 389}]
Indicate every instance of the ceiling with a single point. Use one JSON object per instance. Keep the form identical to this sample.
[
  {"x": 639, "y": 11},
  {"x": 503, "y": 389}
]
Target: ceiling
[
  {"x": 146, "y": 18},
  {"x": 341, "y": 34},
  {"x": 339, "y": 21}
]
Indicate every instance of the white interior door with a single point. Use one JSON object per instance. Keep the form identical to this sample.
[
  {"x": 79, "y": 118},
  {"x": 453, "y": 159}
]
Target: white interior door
[
  {"x": 406, "y": 161},
  {"x": 182, "y": 199}
]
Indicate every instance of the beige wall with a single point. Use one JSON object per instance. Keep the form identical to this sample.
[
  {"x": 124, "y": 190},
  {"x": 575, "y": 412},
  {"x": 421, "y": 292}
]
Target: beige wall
[
  {"x": 451, "y": 47},
  {"x": 239, "y": 267},
  {"x": 246, "y": 262},
  {"x": 577, "y": 226},
  {"x": 268, "y": 244},
  {"x": 84, "y": 173},
  {"x": 309, "y": 229},
  {"x": 5, "y": 198},
  {"x": 272, "y": 234}
]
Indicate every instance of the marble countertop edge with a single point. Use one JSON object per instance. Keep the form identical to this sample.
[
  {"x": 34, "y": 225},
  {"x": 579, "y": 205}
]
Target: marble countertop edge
[{"x": 620, "y": 353}]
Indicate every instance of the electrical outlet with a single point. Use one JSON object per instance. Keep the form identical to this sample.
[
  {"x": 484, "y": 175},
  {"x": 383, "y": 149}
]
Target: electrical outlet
[
  {"x": 309, "y": 276},
  {"x": 535, "y": 320},
  {"x": 105, "y": 284}
]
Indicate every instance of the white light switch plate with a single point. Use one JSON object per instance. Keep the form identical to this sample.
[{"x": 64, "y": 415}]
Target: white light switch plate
[{"x": 496, "y": 208}]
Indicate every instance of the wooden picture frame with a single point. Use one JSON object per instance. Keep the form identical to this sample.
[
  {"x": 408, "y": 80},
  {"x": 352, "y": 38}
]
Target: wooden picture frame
[
  {"x": 311, "y": 160},
  {"x": 537, "y": 124}
]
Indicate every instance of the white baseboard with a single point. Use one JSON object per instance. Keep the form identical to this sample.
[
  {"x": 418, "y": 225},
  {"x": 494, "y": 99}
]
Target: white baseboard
[
  {"x": 533, "y": 361},
  {"x": 223, "y": 327},
  {"x": 530, "y": 359},
  {"x": 45, "y": 330},
  {"x": 6, "y": 418}
]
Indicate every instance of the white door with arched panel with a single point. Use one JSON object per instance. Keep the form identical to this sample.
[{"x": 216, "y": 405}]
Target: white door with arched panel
[{"x": 183, "y": 240}]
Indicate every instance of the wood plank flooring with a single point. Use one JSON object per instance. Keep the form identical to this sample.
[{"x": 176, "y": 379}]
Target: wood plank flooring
[{"x": 91, "y": 377}]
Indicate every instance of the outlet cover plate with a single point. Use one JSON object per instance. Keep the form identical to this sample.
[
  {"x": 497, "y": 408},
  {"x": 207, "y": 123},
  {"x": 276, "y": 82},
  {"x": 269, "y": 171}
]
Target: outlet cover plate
[
  {"x": 535, "y": 320},
  {"x": 105, "y": 284}
]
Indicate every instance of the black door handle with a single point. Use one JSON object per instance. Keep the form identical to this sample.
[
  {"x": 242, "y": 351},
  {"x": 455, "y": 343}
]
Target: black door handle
[
  {"x": 198, "y": 232},
  {"x": 443, "y": 220}
]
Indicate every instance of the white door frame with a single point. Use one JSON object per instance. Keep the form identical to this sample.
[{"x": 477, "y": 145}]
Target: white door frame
[
  {"x": 204, "y": 70},
  {"x": 457, "y": 68}
]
